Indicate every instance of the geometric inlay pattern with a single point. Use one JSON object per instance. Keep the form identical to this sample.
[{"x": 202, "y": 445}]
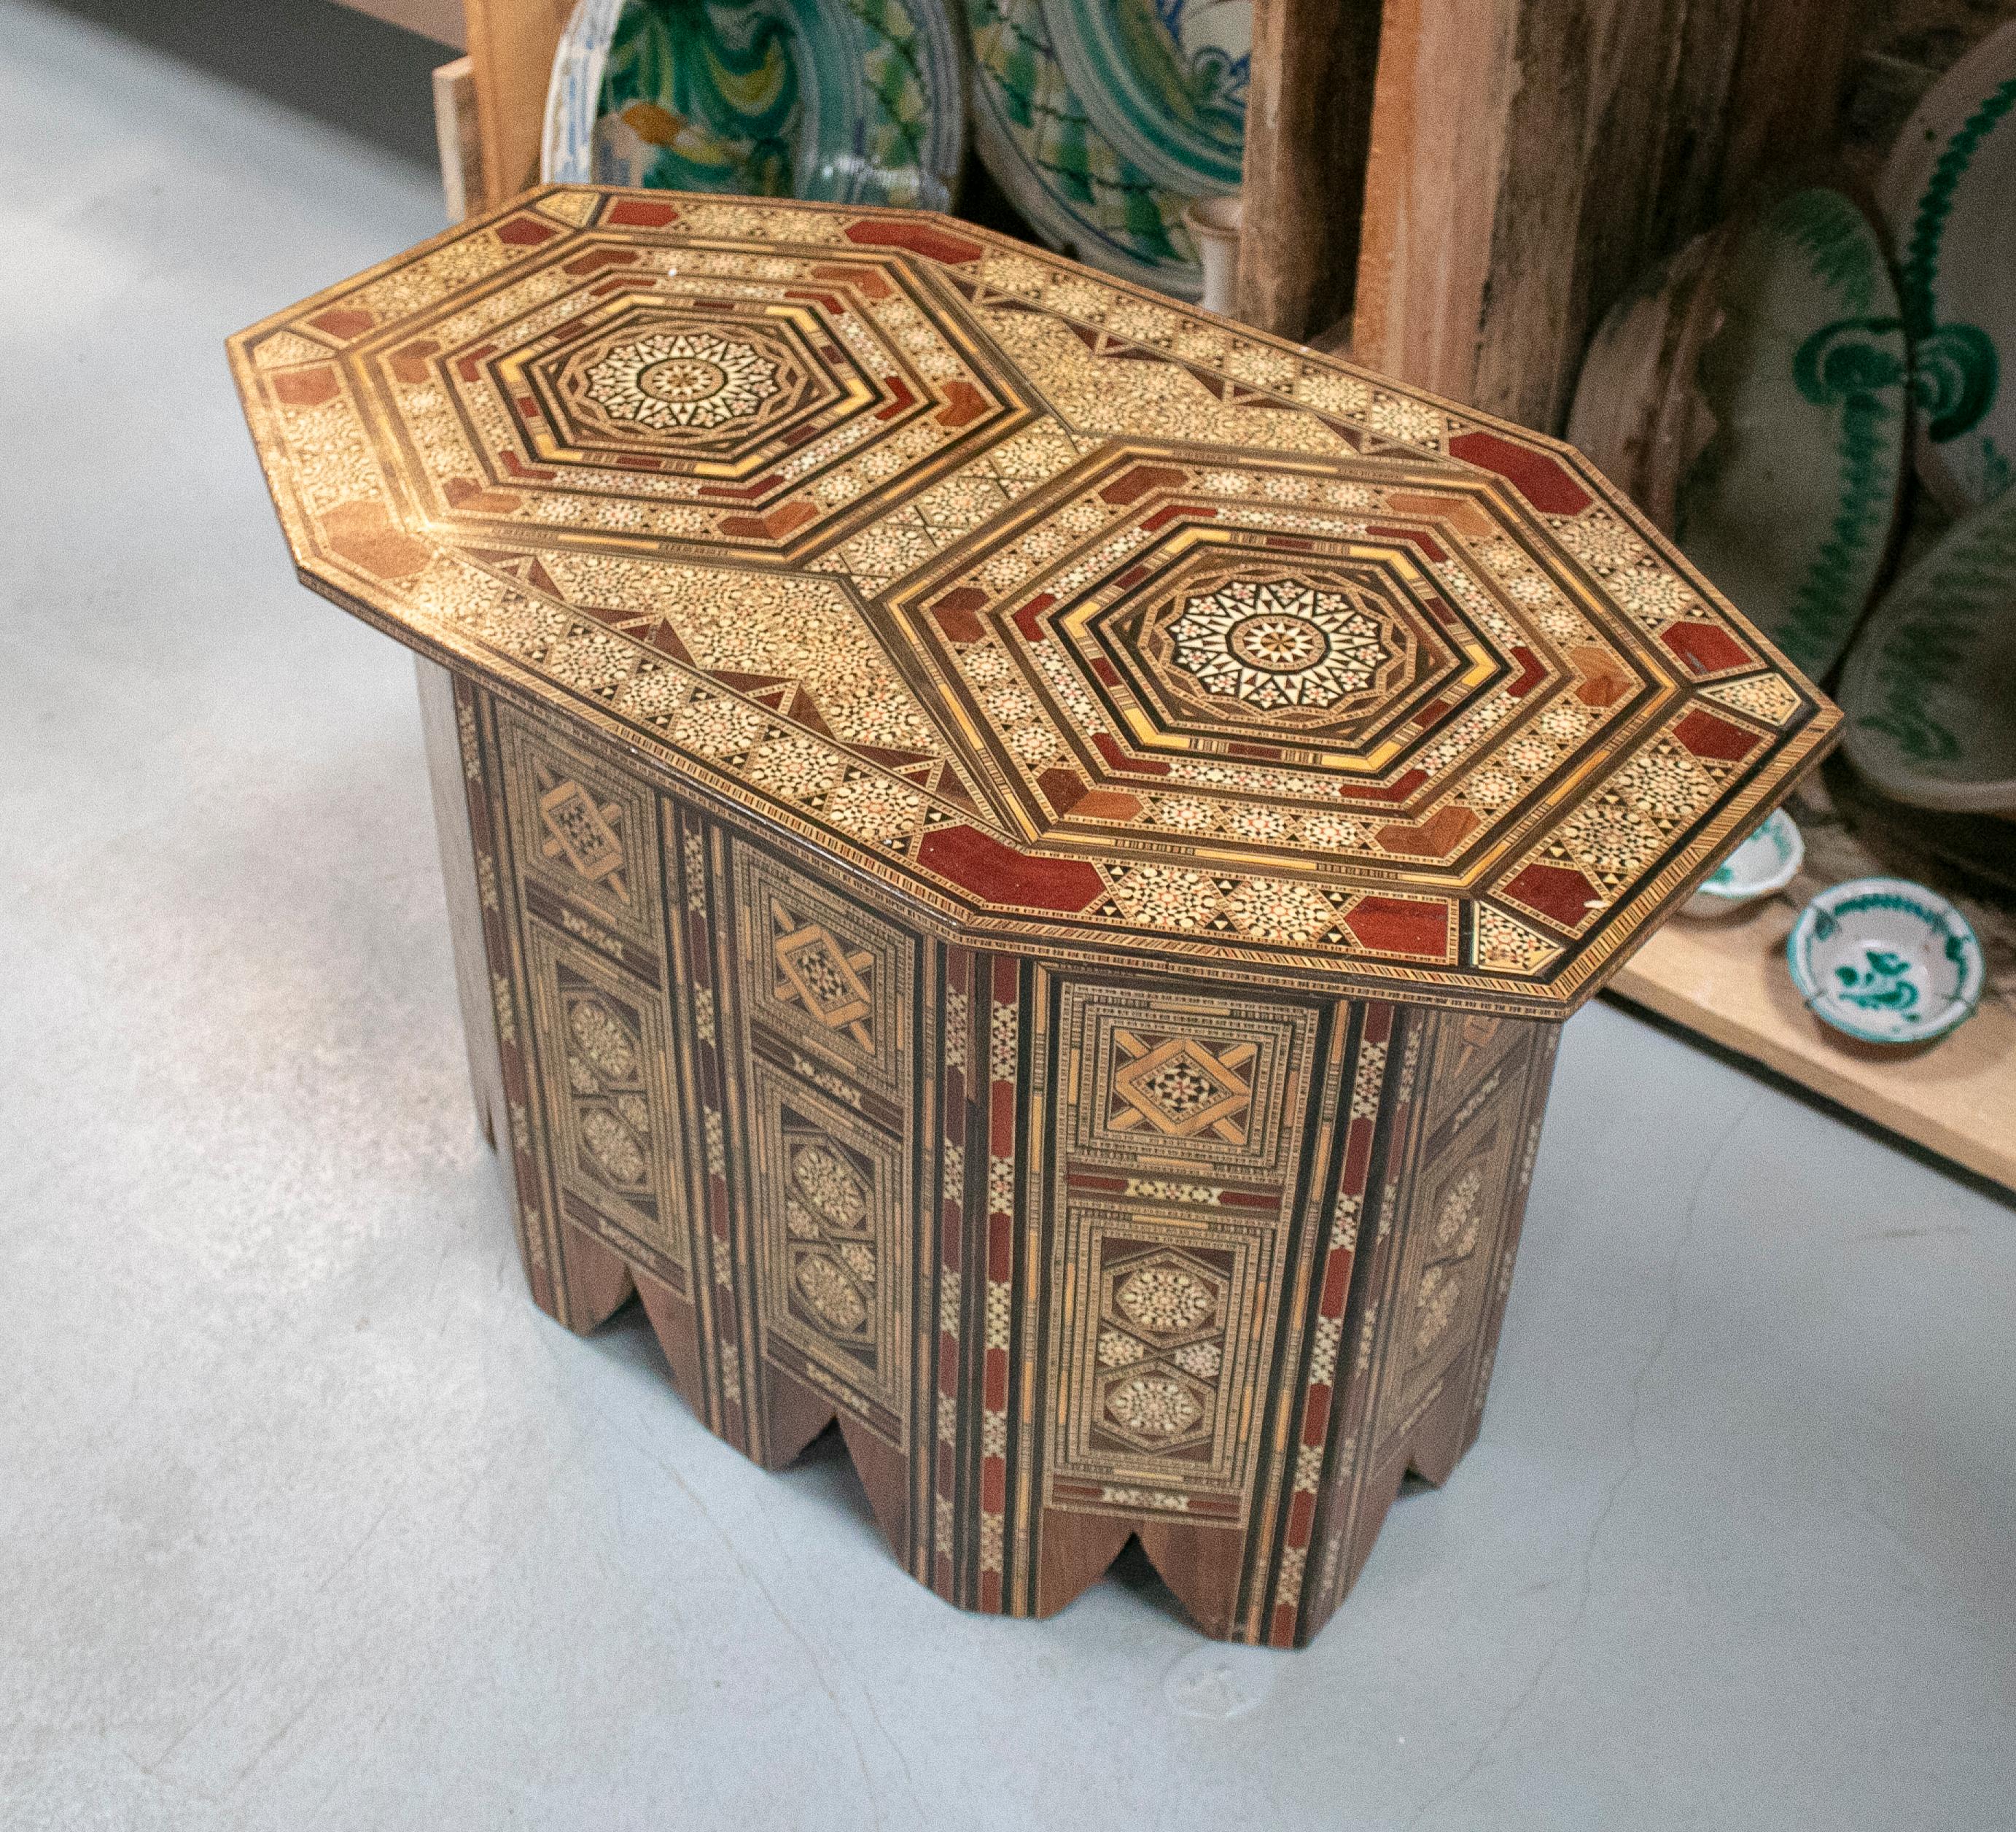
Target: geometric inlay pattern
[
  {"x": 615, "y": 1136},
  {"x": 1174, "y": 1173},
  {"x": 1072, "y": 618},
  {"x": 582, "y": 831},
  {"x": 1158, "y": 1366},
  {"x": 682, "y": 382},
  {"x": 825, "y": 978},
  {"x": 1180, "y": 1087},
  {"x": 833, "y": 1245},
  {"x": 1161, "y": 1346},
  {"x": 1468, "y": 1156},
  {"x": 823, "y": 975},
  {"x": 610, "y": 1110},
  {"x": 1279, "y": 642}
]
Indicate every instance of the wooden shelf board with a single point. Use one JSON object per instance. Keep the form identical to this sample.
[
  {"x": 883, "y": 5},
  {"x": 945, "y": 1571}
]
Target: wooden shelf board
[
  {"x": 1727, "y": 980},
  {"x": 438, "y": 19}
]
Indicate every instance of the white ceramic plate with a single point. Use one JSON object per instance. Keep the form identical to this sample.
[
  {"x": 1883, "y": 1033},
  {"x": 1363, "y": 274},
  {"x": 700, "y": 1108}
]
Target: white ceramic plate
[
  {"x": 1790, "y": 505},
  {"x": 1949, "y": 194},
  {"x": 1752, "y": 396}
]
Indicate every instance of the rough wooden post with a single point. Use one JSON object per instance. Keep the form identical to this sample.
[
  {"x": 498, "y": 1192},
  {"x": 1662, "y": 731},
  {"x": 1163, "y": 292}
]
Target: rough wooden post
[
  {"x": 511, "y": 46},
  {"x": 1307, "y": 124},
  {"x": 1529, "y": 157}
]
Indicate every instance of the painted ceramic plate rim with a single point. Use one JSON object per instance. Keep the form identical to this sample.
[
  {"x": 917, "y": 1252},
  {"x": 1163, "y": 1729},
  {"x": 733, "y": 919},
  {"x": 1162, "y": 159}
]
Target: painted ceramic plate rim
[
  {"x": 1893, "y": 458},
  {"x": 1799, "y": 946},
  {"x": 1718, "y": 899},
  {"x": 1918, "y": 591},
  {"x": 1086, "y": 57},
  {"x": 566, "y": 144},
  {"x": 1065, "y": 231},
  {"x": 1921, "y": 147}
]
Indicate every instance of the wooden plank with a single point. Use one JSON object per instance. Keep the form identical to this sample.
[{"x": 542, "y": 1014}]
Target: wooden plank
[
  {"x": 447, "y": 777},
  {"x": 1309, "y": 124},
  {"x": 1727, "y": 980},
  {"x": 456, "y": 136},
  {"x": 1529, "y": 158},
  {"x": 511, "y": 46},
  {"x": 438, "y": 19}
]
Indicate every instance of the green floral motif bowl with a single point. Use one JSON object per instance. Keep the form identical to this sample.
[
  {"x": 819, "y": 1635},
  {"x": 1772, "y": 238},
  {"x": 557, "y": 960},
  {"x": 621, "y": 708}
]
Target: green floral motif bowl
[
  {"x": 845, "y": 101},
  {"x": 1768, "y": 861},
  {"x": 1886, "y": 962}
]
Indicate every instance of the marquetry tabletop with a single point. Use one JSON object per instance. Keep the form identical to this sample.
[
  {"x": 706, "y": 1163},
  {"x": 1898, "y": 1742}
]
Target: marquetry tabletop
[{"x": 1082, "y": 617}]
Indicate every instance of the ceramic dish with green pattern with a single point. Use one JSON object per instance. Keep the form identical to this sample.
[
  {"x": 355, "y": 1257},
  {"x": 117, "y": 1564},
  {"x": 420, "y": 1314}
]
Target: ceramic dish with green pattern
[
  {"x": 845, "y": 100},
  {"x": 1886, "y": 962},
  {"x": 1165, "y": 81},
  {"x": 1949, "y": 194},
  {"x": 1078, "y": 190},
  {"x": 1930, "y": 686},
  {"x": 1789, "y": 506},
  {"x": 1768, "y": 859}
]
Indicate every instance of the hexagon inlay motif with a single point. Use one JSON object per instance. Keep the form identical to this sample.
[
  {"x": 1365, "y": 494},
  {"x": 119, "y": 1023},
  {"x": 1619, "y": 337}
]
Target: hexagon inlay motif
[
  {"x": 1154, "y": 1406},
  {"x": 1282, "y": 641},
  {"x": 1165, "y": 1299}
]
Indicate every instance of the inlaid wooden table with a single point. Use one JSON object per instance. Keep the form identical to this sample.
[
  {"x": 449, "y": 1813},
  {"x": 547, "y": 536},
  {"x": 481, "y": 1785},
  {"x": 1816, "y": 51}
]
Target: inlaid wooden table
[{"x": 1029, "y": 846}]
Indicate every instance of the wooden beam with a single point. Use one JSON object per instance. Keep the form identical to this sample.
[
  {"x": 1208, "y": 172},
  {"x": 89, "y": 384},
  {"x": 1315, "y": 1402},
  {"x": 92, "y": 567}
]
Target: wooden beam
[
  {"x": 1308, "y": 123},
  {"x": 1530, "y": 158},
  {"x": 457, "y": 137},
  {"x": 511, "y": 46}
]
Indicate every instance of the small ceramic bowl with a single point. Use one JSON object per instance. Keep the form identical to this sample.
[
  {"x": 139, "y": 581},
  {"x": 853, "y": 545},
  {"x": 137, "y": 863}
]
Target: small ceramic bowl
[
  {"x": 1767, "y": 861},
  {"x": 1885, "y": 961}
]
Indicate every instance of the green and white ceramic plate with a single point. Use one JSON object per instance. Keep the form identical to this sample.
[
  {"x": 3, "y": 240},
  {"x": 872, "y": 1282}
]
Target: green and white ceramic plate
[
  {"x": 1948, "y": 193},
  {"x": 846, "y": 101},
  {"x": 1080, "y": 192},
  {"x": 1165, "y": 81},
  {"x": 1790, "y": 505},
  {"x": 1886, "y": 962},
  {"x": 1766, "y": 861},
  {"x": 1930, "y": 686}
]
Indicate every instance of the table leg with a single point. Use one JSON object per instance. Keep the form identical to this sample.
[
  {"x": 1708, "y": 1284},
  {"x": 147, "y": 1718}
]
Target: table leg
[{"x": 445, "y": 774}]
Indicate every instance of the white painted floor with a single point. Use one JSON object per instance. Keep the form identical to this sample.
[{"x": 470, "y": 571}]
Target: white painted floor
[{"x": 308, "y": 1518}]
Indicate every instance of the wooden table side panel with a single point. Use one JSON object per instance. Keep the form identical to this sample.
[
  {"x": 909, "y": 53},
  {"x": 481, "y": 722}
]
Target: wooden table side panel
[
  {"x": 1428, "y": 1306},
  {"x": 1092, "y": 1236},
  {"x": 451, "y": 786}
]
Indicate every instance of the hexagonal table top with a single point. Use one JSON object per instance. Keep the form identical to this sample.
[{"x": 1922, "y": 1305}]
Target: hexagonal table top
[{"x": 1081, "y": 619}]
